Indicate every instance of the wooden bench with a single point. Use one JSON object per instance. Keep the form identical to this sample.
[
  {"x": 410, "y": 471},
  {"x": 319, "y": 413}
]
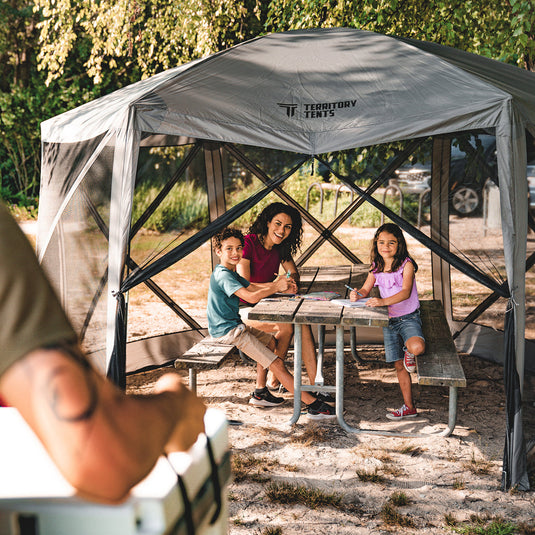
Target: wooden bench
[
  {"x": 204, "y": 355},
  {"x": 440, "y": 365}
]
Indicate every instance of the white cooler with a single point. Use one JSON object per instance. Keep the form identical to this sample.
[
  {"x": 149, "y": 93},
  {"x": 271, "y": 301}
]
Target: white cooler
[{"x": 35, "y": 499}]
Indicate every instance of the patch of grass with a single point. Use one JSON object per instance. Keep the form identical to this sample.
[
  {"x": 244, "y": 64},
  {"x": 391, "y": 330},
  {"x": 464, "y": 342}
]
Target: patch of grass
[
  {"x": 313, "y": 434},
  {"x": 409, "y": 449},
  {"x": 485, "y": 526},
  {"x": 252, "y": 468},
  {"x": 288, "y": 493},
  {"x": 392, "y": 517},
  {"x": 370, "y": 477},
  {"x": 477, "y": 466},
  {"x": 450, "y": 520},
  {"x": 399, "y": 499},
  {"x": 459, "y": 484},
  {"x": 272, "y": 531}
]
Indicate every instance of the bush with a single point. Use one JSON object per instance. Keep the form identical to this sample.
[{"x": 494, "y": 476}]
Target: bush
[{"x": 184, "y": 207}]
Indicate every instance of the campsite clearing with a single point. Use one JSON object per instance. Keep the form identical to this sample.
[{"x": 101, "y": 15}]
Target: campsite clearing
[{"x": 458, "y": 476}]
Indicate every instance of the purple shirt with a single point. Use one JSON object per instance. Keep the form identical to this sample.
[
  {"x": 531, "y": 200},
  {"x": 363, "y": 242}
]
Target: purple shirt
[
  {"x": 264, "y": 263},
  {"x": 390, "y": 284}
]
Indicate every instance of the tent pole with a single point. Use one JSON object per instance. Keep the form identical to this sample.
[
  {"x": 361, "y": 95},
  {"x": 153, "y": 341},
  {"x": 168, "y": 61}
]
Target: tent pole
[
  {"x": 215, "y": 186},
  {"x": 440, "y": 171}
]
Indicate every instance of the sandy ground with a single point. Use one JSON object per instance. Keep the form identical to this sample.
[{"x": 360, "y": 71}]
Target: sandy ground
[{"x": 443, "y": 480}]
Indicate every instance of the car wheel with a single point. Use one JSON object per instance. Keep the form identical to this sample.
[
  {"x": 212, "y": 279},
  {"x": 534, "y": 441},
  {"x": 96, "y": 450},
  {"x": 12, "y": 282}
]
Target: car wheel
[{"x": 465, "y": 201}]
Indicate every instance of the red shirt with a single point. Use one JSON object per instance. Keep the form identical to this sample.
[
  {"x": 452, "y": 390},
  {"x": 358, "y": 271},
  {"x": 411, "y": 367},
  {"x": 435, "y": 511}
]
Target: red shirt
[{"x": 264, "y": 263}]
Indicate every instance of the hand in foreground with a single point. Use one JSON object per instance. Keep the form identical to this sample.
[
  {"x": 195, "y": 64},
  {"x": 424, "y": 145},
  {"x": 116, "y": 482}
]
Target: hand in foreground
[{"x": 189, "y": 413}]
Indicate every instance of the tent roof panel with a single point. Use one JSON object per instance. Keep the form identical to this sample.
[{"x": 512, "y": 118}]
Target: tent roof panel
[{"x": 306, "y": 91}]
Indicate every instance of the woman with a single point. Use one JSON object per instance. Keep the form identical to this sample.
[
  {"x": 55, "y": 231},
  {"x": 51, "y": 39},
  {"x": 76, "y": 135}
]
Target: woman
[{"x": 272, "y": 241}]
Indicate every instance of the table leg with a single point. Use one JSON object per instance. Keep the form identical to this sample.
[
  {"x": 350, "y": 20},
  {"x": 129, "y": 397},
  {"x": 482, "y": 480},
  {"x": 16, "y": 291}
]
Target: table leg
[
  {"x": 319, "y": 380},
  {"x": 353, "y": 343},
  {"x": 340, "y": 381},
  {"x": 298, "y": 366}
]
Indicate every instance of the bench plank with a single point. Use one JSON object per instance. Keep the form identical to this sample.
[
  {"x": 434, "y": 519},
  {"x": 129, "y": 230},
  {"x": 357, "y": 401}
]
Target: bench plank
[
  {"x": 204, "y": 356},
  {"x": 440, "y": 365}
]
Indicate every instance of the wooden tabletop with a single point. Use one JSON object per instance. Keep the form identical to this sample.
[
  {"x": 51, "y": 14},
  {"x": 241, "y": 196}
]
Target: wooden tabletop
[{"x": 297, "y": 309}]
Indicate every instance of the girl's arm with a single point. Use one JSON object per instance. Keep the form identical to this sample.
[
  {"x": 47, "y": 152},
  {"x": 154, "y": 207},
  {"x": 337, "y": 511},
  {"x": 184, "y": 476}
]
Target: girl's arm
[
  {"x": 365, "y": 290},
  {"x": 404, "y": 293}
]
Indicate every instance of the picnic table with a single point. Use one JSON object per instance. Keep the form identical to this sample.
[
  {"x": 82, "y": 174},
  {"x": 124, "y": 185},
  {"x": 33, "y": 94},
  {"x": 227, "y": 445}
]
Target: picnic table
[
  {"x": 300, "y": 310},
  {"x": 440, "y": 365}
]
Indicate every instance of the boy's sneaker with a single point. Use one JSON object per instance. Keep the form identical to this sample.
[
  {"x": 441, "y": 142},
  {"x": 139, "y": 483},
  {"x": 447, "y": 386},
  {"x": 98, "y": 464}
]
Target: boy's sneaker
[
  {"x": 404, "y": 412},
  {"x": 264, "y": 398},
  {"x": 409, "y": 361},
  {"x": 325, "y": 397},
  {"x": 320, "y": 411}
]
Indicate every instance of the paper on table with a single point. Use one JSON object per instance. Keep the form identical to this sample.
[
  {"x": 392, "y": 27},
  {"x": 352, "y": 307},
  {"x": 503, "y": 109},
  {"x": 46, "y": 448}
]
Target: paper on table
[{"x": 349, "y": 303}]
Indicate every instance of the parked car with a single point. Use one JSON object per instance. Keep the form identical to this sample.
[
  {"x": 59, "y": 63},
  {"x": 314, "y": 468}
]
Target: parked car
[{"x": 472, "y": 162}]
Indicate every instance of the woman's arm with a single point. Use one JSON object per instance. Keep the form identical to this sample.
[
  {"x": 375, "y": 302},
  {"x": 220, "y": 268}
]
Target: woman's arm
[{"x": 103, "y": 441}]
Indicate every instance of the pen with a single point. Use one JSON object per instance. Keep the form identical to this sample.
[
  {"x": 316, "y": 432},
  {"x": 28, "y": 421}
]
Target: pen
[
  {"x": 288, "y": 274},
  {"x": 353, "y": 289}
]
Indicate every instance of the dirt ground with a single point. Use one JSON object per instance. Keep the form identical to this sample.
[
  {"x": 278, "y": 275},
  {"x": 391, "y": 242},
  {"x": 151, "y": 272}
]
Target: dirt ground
[{"x": 434, "y": 481}]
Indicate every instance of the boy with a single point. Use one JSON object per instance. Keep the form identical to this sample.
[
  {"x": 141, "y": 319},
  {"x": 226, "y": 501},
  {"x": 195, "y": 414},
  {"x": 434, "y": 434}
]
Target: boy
[{"x": 225, "y": 325}]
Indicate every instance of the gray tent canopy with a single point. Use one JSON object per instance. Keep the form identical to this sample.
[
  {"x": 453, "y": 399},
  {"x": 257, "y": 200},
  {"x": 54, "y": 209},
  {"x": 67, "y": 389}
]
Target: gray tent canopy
[{"x": 305, "y": 92}]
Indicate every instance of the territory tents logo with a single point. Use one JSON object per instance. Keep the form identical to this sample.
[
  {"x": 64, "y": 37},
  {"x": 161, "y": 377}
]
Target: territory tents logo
[{"x": 317, "y": 110}]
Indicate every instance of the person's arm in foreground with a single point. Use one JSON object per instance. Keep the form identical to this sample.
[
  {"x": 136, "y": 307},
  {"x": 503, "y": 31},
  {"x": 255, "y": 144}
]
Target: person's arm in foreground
[{"x": 103, "y": 441}]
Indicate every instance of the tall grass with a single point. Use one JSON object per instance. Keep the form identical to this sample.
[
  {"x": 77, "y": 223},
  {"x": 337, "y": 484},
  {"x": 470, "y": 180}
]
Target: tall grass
[{"x": 185, "y": 206}]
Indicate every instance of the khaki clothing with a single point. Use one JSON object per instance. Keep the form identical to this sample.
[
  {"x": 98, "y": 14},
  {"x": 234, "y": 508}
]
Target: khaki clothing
[{"x": 30, "y": 313}]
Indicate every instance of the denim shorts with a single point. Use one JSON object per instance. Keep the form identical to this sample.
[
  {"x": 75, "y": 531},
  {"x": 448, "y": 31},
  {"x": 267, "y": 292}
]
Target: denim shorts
[{"x": 399, "y": 330}]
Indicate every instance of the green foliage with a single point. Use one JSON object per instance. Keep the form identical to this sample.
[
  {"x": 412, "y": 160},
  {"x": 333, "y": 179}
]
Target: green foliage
[
  {"x": 184, "y": 206},
  {"x": 503, "y": 30},
  {"x": 142, "y": 35},
  {"x": 485, "y": 526}
]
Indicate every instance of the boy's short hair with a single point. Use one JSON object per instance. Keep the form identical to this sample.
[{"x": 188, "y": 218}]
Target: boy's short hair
[{"x": 225, "y": 234}]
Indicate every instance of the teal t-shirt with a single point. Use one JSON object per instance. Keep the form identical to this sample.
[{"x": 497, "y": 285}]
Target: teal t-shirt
[{"x": 223, "y": 305}]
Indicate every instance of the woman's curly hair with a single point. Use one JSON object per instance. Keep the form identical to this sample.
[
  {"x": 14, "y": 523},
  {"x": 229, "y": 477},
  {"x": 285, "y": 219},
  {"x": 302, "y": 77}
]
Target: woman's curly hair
[{"x": 291, "y": 245}]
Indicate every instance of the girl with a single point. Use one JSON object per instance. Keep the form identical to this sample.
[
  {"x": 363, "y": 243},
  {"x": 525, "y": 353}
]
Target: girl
[{"x": 392, "y": 271}]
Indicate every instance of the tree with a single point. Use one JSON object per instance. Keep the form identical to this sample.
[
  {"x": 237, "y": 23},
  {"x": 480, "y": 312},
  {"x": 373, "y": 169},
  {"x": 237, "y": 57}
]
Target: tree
[
  {"x": 500, "y": 30},
  {"x": 145, "y": 36}
]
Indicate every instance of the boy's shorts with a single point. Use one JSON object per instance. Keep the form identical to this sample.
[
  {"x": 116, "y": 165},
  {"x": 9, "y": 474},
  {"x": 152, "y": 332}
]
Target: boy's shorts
[
  {"x": 399, "y": 330},
  {"x": 252, "y": 342}
]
